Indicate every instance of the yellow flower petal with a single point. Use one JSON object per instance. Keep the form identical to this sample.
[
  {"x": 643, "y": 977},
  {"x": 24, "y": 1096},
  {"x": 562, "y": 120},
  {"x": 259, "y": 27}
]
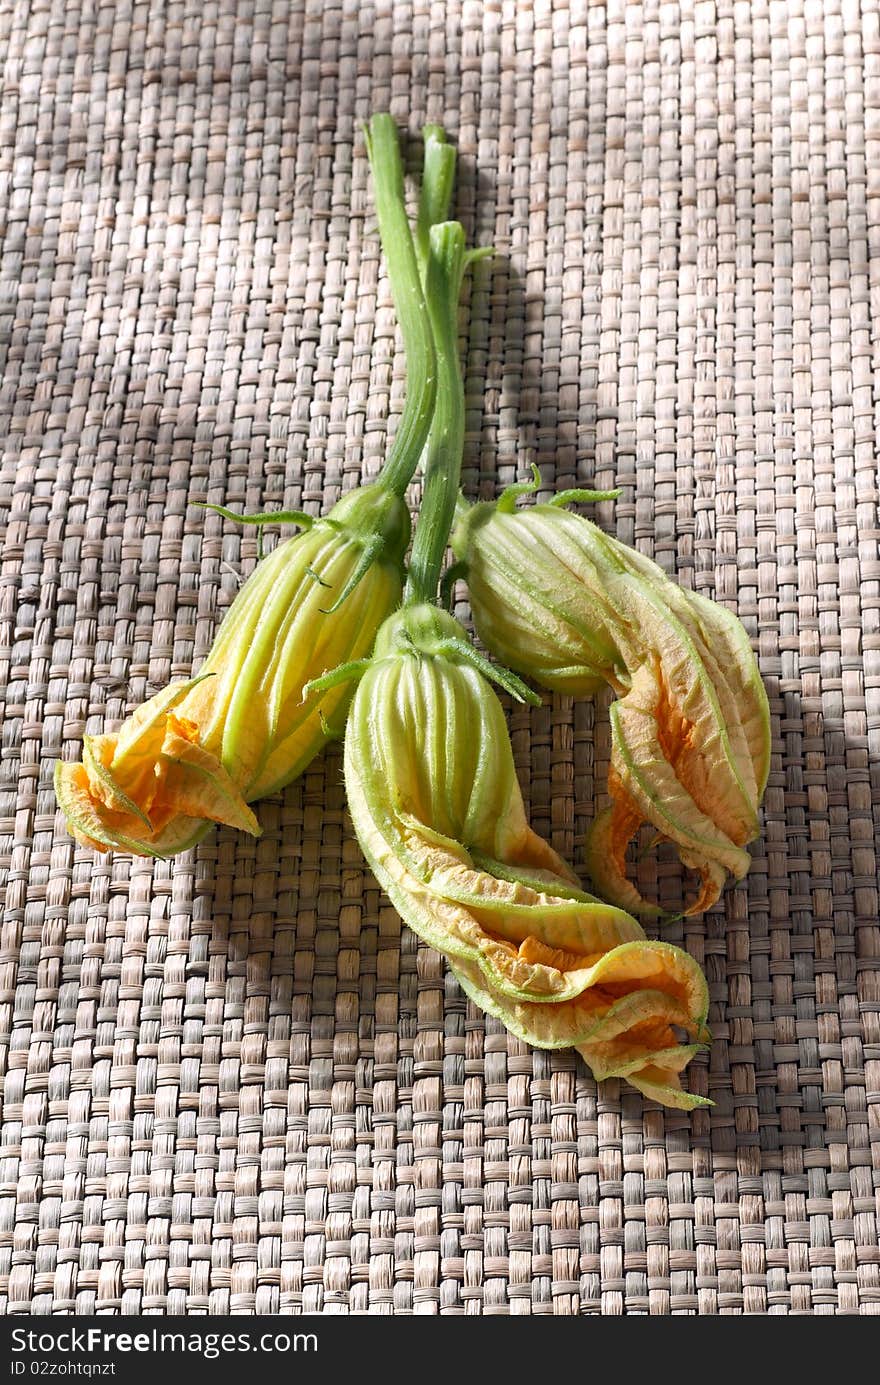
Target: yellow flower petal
[
  {"x": 607, "y": 839},
  {"x": 601, "y": 1013},
  {"x": 670, "y": 682},
  {"x": 140, "y": 737},
  {"x": 194, "y": 783},
  {"x": 626, "y": 1056}
]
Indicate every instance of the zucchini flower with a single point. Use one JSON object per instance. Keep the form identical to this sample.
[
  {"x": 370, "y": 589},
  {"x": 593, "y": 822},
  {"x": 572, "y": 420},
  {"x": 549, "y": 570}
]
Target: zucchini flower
[
  {"x": 437, "y": 809},
  {"x": 202, "y": 750},
  {"x": 573, "y": 608}
]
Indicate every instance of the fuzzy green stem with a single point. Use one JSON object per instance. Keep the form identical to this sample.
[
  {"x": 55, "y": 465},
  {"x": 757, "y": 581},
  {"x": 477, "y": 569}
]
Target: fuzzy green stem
[
  {"x": 445, "y": 267},
  {"x": 409, "y": 300}
]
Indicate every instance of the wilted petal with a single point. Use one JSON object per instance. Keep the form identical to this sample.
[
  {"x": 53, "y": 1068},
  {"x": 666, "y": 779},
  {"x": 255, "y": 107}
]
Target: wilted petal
[
  {"x": 663, "y": 1085},
  {"x": 724, "y": 635},
  {"x": 704, "y": 742},
  {"x": 98, "y": 753},
  {"x": 605, "y": 1010},
  {"x": 648, "y": 783},
  {"x": 140, "y": 737}
]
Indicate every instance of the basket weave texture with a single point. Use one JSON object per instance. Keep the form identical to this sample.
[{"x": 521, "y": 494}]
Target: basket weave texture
[{"x": 233, "y": 1082}]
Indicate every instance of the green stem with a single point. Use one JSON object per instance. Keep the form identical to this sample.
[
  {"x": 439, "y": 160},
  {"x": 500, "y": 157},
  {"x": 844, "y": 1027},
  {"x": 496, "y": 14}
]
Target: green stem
[
  {"x": 438, "y": 176},
  {"x": 409, "y": 300},
  {"x": 445, "y": 267}
]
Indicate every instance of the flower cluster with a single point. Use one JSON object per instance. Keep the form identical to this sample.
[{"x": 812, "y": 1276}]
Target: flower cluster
[{"x": 429, "y": 769}]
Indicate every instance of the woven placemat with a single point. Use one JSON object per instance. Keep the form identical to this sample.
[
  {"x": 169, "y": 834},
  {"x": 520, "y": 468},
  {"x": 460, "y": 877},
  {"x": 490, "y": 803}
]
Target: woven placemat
[{"x": 233, "y": 1082}]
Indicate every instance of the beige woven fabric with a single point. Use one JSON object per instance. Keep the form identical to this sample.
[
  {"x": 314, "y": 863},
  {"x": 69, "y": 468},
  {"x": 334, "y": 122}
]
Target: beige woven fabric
[{"x": 233, "y": 1082}]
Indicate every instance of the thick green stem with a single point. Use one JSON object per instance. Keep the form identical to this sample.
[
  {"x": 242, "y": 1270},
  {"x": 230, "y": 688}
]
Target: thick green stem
[
  {"x": 442, "y": 469},
  {"x": 409, "y": 301}
]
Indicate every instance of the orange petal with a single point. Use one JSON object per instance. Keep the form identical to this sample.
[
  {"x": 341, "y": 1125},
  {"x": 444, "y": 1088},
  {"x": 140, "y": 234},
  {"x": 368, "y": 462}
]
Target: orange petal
[
  {"x": 95, "y": 825},
  {"x": 607, "y": 839},
  {"x": 98, "y": 752},
  {"x": 193, "y": 782},
  {"x": 533, "y": 950}
]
